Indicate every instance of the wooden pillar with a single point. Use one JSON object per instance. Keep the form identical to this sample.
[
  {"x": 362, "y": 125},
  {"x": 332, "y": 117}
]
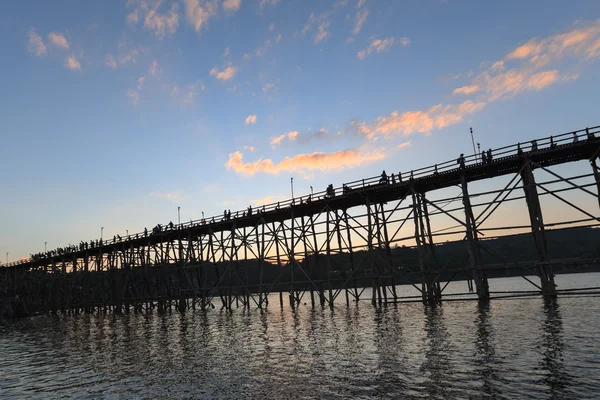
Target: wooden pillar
[
  {"x": 370, "y": 249},
  {"x": 317, "y": 261},
  {"x": 328, "y": 249},
  {"x": 479, "y": 277},
  {"x": 544, "y": 267},
  {"x": 388, "y": 249},
  {"x": 338, "y": 223},
  {"x": 351, "y": 251},
  {"x": 260, "y": 244},
  {"x": 290, "y": 257},
  {"x": 427, "y": 285}
]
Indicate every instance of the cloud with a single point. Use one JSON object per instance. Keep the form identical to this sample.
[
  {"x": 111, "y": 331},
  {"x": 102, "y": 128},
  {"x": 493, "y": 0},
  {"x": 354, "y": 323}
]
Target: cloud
[
  {"x": 134, "y": 97},
  {"x": 404, "y": 144},
  {"x": 160, "y": 23},
  {"x": 186, "y": 94},
  {"x": 521, "y": 69},
  {"x": 295, "y": 136},
  {"x": 133, "y": 17},
  {"x": 197, "y": 14},
  {"x": 422, "y": 121},
  {"x": 262, "y": 49},
  {"x": 291, "y": 136},
  {"x": 321, "y": 22},
  {"x": 232, "y": 5},
  {"x": 268, "y": 86},
  {"x": 317, "y": 161},
  {"x": 361, "y": 18},
  {"x": 226, "y": 52},
  {"x": 72, "y": 63},
  {"x": 36, "y": 44},
  {"x": 110, "y": 61},
  {"x": 251, "y": 149},
  {"x": 467, "y": 90},
  {"x": 58, "y": 40},
  {"x": 224, "y": 75},
  {"x": 153, "y": 70},
  {"x": 251, "y": 119},
  {"x": 379, "y": 45},
  {"x": 508, "y": 84}
]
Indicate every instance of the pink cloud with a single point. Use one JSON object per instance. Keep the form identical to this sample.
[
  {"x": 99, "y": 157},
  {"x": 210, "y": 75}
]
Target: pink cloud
[
  {"x": 59, "y": 40},
  {"x": 466, "y": 90},
  {"x": 303, "y": 162},
  {"x": 420, "y": 121},
  {"x": 224, "y": 75}
]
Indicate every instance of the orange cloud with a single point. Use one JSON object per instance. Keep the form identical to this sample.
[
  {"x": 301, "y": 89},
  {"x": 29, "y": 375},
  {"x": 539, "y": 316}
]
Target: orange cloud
[
  {"x": 58, "y": 40},
  {"x": 232, "y": 5},
  {"x": 542, "y": 79},
  {"x": 579, "y": 42},
  {"x": 524, "y": 51},
  {"x": 407, "y": 123},
  {"x": 154, "y": 20},
  {"x": 379, "y": 45},
  {"x": 224, "y": 75},
  {"x": 73, "y": 64},
  {"x": 466, "y": 90},
  {"x": 36, "y": 44},
  {"x": 303, "y": 162},
  {"x": 251, "y": 119},
  {"x": 279, "y": 139},
  {"x": 510, "y": 83},
  {"x": 197, "y": 14},
  {"x": 405, "y": 144}
]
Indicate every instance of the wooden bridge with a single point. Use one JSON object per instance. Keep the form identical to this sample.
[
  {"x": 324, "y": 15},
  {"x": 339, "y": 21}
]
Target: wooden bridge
[{"x": 325, "y": 245}]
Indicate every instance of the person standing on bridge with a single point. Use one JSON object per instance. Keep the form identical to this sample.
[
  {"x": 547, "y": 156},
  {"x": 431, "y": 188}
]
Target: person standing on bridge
[
  {"x": 460, "y": 161},
  {"x": 534, "y": 145},
  {"x": 489, "y": 156},
  {"x": 483, "y": 157},
  {"x": 575, "y": 137},
  {"x": 383, "y": 177}
]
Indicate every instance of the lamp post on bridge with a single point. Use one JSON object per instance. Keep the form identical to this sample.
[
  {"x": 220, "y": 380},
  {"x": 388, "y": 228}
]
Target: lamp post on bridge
[
  {"x": 178, "y": 215},
  {"x": 101, "y": 232},
  {"x": 45, "y": 247},
  {"x": 472, "y": 140},
  {"x": 292, "y": 184},
  {"x": 7, "y": 258}
]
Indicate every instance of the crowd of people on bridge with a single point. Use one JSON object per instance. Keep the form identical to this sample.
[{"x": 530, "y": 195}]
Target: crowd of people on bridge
[{"x": 330, "y": 193}]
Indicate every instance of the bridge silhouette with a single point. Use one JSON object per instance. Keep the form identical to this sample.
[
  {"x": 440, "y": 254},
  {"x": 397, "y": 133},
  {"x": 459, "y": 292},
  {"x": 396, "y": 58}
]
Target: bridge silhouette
[{"x": 346, "y": 241}]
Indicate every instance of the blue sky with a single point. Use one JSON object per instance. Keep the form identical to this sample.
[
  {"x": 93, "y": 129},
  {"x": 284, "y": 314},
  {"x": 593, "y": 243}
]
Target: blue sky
[{"x": 115, "y": 113}]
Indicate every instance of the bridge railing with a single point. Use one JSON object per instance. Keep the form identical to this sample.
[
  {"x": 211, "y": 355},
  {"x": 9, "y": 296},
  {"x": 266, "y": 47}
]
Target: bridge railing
[{"x": 469, "y": 161}]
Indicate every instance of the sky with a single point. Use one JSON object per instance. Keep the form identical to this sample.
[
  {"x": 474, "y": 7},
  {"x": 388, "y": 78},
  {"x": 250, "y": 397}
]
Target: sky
[{"x": 115, "y": 113}]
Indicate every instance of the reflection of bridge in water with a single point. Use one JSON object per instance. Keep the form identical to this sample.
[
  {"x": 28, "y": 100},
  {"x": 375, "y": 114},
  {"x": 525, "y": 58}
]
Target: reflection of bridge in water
[{"x": 335, "y": 242}]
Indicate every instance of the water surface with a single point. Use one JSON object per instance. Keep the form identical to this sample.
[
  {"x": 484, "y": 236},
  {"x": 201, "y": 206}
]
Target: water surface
[{"x": 519, "y": 348}]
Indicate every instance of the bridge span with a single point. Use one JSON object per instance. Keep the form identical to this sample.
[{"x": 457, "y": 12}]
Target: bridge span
[{"x": 362, "y": 239}]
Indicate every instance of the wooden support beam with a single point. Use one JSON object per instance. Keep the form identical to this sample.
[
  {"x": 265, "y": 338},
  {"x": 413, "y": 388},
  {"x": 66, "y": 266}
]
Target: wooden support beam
[
  {"x": 479, "y": 275},
  {"x": 544, "y": 267}
]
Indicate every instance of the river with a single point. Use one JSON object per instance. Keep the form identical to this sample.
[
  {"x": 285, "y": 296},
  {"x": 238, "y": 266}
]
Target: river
[{"x": 509, "y": 348}]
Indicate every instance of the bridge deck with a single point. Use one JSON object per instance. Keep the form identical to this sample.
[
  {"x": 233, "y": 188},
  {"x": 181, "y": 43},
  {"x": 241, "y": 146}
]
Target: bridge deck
[{"x": 573, "y": 146}]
